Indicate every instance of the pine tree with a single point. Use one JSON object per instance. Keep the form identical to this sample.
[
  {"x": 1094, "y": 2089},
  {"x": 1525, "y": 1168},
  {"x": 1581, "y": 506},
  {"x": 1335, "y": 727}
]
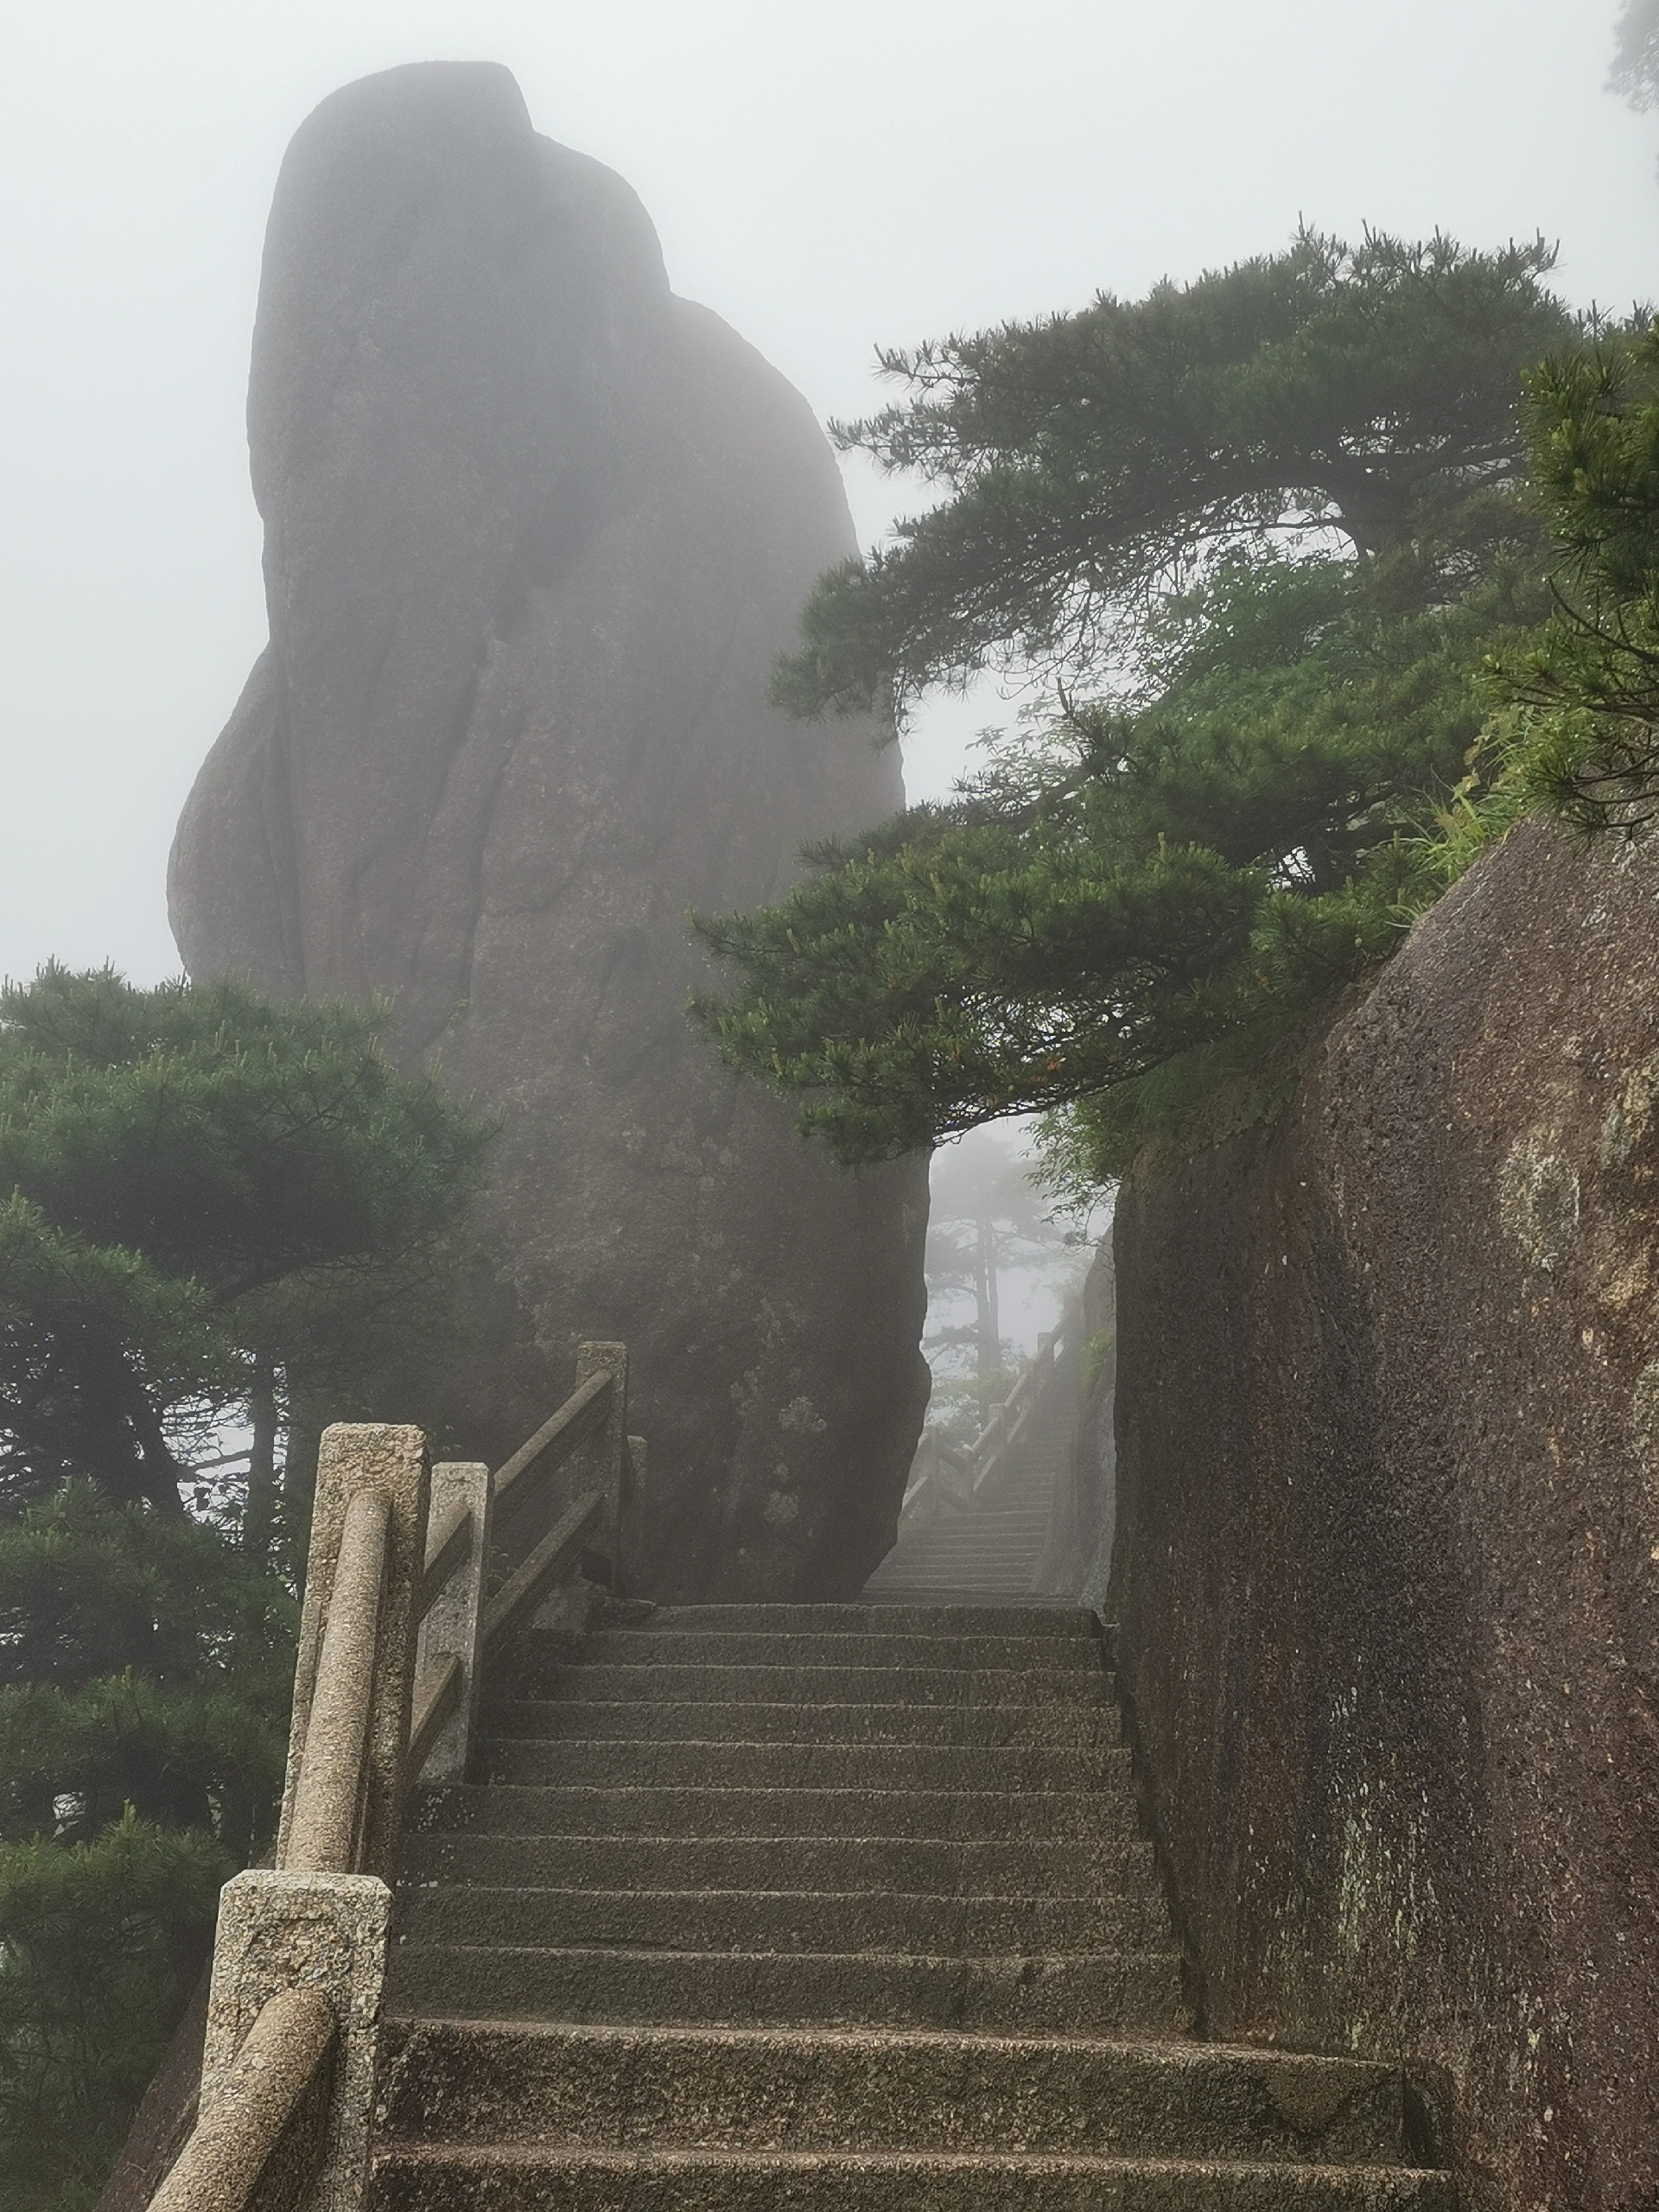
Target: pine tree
[
  {"x": 209, "y": 1203},
  {"x": 200, "y": 1189},
  {"x": 1582, "y": 734},
  {"x": 1261, "y": 535}
]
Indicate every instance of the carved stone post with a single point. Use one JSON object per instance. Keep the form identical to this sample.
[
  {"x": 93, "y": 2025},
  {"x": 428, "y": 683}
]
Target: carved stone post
[
  {"x": 451, "y": 1626},
  {"x": 281, "y": 1932},
  {"x": 603, "y": 1455}
]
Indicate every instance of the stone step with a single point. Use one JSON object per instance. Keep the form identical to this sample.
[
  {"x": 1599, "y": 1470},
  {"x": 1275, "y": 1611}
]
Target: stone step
[
  {"x": 967, "y": 1815},
  {"x": 951, "y": 1567},
  {"x": 1010, "y": 1529},
  {"x": 983, "y": 1531},
  {"x": 971, "y": 1535},
  {"x": 664, "y": 1647},
  {"x": 1100, "y": 1865},
  {"x": 448, "y": 2178},
  {"x": 846, "y": 1684},
  {"x": 1077, "y": 1992},
  {"x": 906, "y": 1595},
  {"x": 840, "y": 2089},
  {"x": 773, "y": 1920},
  {"x": 952, "y": 1581},
  {"x": 638, "y": 1763},
  {"x": 1083, "y": 1728},
  {"x": 1031, "y": 1618},
  {"x": 987, "y": 1532}
]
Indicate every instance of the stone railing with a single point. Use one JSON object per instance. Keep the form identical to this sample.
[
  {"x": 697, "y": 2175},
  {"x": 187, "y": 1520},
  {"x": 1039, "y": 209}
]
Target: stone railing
[
  {"x": 942, "y": 1478},
  {"x": 398, "y": 1619}
]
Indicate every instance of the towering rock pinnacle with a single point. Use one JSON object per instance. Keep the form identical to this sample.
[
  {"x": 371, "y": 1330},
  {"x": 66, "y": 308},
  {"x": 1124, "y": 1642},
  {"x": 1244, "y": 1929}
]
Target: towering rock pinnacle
[{"x": 534, "y": 530}]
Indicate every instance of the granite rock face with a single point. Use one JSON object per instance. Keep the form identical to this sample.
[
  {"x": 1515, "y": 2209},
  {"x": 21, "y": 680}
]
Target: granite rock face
[
  {"x": 535, "y": 529},
  {"x": 1387, "y": 1566}
]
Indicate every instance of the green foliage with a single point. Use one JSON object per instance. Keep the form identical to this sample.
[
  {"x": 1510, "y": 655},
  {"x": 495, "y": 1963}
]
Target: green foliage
[
  {"x": 100, "y": 1944},
  {"x": 197, "y": 1179},
  {"x": 145, "y": 1674},
  {"x": 957, "y": 1409},
  {"x": 1132, "y": 889},
  {"x": 1581, "y": 733},
  {"x": 1277, "y": 522},
  {"x": 143, "y": 1662},
  {"x": 209, "y": 1202},
  {"x": 1092, "y": 460}
]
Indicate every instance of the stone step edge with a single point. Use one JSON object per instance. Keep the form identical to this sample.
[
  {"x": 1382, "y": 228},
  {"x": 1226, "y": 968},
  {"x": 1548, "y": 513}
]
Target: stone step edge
[
  {"x": 488, "y": 1747},
  {"x": 725, "y": 1791},
  {"x": 1194, "y": 2052},
  {"x": 572, "y": 1670},
  {"x": 624, "y": 1839},
  {"x": 974, "y": 1898},
  {"x": 803, "y": 1710},
  {"x": 532, "y": 2156},
  {"x": 990, "y": 1961}
]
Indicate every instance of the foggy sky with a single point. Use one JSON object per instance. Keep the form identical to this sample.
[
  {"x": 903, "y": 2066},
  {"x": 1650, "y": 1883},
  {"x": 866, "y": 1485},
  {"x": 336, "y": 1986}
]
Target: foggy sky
[{"x": 826, "y": 174}]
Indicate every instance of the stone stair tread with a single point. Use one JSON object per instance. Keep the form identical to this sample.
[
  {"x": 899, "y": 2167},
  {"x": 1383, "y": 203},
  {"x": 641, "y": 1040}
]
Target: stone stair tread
[
  {"x": 1099, "y": 1864},
  {"x": 742, "y": 1761},
  {"x": 841, "y": 1685},
  {"x": 525, "y": 2179},
  {"x": 874, "y": 1647},
  {"x": 693, "y": 1720},
  {"x": 611, "y": 2086},
  {"x": 1016, "y": 1616},
  {"x": 1097, "y": 1990},
  {"x": 660, "y": 1809},
  {"x": 771, "y": 1920}
]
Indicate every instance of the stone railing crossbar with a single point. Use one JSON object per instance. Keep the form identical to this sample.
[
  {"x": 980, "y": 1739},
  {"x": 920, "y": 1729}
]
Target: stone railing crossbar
[
  {"x": 554, "y": 1440},
  {"x": 560, "y": 1549},
  {"x": 237, "y": 2159},
  {"x": 327, "y": 1797}
]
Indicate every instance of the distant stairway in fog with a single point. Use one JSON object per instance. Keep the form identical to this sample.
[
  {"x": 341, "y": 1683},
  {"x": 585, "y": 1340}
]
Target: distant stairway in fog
[{"x": 975, "y": 1525}]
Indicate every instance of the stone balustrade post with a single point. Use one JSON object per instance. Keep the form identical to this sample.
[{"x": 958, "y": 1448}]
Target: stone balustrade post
[
  {"x": 280, "y": 1932},
  {"x": 453, "y": 1624},
  {"x": 601, "y": 1458}
]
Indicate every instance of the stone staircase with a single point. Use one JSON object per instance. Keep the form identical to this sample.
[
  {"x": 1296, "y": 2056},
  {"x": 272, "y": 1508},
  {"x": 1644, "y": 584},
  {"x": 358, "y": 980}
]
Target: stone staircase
[
  {"x": 985, "y": 1547},
  {"x": 827, "y": 1908}
]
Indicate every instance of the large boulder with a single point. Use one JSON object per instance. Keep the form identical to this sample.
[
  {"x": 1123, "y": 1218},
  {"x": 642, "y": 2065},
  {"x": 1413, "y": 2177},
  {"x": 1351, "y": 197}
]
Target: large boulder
[{"x": 535, "y": 529}]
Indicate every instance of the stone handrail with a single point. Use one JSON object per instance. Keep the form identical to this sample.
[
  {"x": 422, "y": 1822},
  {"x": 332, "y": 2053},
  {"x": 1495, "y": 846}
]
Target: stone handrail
[
  {"x": 398, "y": 1621},
  {"x": 942, "y": 1476}
]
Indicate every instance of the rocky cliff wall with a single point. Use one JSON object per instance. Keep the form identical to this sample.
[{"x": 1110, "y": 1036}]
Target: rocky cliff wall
[
  {"x": 535, "y": 529},
  {"x": 1387, "y": 1567},
  {"x": 1078, "y": 1551}
]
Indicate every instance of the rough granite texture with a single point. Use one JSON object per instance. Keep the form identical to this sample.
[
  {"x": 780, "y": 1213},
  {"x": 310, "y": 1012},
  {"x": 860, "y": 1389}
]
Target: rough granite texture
[
  {"x": 534, "y": 531},
  {"x": 329, "y": 1932},
  {"x": 391, "y": 1461},
  {"x": 1077, "y": 1552},
  {"x": 1387, "y": 1558}
]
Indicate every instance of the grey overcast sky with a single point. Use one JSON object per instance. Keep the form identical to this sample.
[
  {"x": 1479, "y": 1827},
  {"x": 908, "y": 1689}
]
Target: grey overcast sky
[{"x": 826, "y": 174}]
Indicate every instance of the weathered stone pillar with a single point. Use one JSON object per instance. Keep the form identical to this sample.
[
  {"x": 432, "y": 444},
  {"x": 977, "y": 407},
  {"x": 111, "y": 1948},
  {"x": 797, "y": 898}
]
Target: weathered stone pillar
[
  {"x": 451, "y": 1626},
  {"x": 281, "y": 1932}
]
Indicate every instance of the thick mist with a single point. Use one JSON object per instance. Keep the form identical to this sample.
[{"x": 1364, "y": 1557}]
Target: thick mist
[{"x": 827, "y": 178}]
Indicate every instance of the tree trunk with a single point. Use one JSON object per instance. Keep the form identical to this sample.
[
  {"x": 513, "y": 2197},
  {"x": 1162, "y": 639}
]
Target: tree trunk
[
  {"x": 259, "y": 1520},
  {"x": 989, "y": 1332}
]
